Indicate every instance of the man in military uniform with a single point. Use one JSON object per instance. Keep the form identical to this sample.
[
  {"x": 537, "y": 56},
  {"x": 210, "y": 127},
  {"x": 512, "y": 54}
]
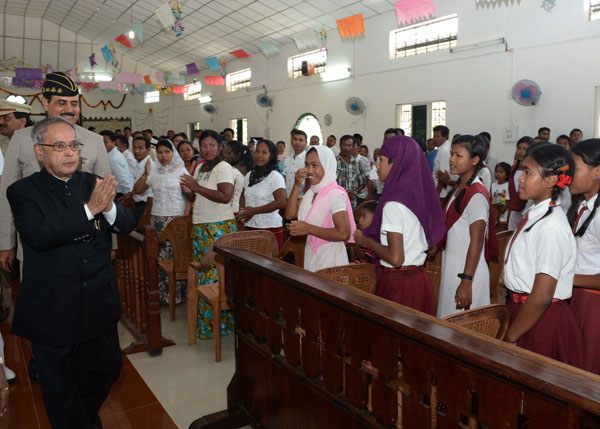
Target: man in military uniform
[{"x": 13, "y": 117}]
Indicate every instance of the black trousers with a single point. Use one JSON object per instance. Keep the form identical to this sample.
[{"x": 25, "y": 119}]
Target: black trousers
[
  {"x": 138, "y": 211},
  {"x": 76, "y": 379}
]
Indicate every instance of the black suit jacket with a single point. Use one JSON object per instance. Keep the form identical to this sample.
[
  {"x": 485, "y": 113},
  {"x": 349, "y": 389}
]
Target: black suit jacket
[{"x": 69, "y": 291}]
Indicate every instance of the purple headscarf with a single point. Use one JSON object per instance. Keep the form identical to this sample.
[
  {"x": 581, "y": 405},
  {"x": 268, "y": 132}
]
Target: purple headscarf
[{"x": 410, "y": 182}]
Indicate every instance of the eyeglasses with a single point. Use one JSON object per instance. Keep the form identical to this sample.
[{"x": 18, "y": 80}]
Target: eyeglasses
[{"x": 61, "y": 147}]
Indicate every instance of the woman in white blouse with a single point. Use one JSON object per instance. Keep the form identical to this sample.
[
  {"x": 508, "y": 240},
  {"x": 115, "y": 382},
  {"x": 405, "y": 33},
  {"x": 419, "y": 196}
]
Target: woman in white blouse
[
  {"x": 168, "y": 202},
  {"x": 264, "y": 193},
  {"x": 210, "y": 191},
  {"x": 240, "y": 158}
]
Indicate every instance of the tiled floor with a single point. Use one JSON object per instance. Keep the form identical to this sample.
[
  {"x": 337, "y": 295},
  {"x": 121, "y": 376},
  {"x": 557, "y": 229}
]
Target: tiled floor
[
  {"x": 175, "y": 388},
  {"x": 186, "y": 379}
]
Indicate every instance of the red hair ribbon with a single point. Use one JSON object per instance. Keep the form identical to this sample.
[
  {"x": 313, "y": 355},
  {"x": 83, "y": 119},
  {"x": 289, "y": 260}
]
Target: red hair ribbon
[{"x": 563, "y": 180}]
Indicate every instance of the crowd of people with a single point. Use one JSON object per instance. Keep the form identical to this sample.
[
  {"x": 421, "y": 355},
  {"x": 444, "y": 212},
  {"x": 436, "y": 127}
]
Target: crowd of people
[{"x": 412, "y": 199}]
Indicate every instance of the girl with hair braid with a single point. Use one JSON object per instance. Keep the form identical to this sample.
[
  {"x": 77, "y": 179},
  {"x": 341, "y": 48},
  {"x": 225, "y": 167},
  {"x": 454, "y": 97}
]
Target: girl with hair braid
[
  {"x": 539, "y": 263},
  {"x": 468, "y": 215},
  {"x": 585, "y": 223}
]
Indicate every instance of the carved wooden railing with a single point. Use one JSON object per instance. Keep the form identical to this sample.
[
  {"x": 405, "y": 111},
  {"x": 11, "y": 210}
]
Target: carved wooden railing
[
  {"x": 311, "y": 353},
  {"x": 137, "y": 278}
]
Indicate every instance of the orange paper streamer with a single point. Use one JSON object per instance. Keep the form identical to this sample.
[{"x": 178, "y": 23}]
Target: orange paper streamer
[
  {"x": 147, "y": 80},
  {"x": 352, "y": 26}
]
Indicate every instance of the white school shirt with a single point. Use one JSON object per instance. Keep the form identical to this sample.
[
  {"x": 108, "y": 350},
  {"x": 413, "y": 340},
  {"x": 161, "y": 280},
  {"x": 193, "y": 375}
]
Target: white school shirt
[
  {"x": 455, "y": 256},
  {"x": 588, "y": 246},
  {"x": 442, "y": 163},
  {"x": 375, "y": 179},
  {"x": 549, "y": 248},
  {"x": 292, "y": 164},
  {"x": 261, "y": 194},
  {"x": 486, "y": 177},
  {"x": 399, "y": 218},
  {"x": 140, "y": 169},
  {"x": 131, "y": 161}
]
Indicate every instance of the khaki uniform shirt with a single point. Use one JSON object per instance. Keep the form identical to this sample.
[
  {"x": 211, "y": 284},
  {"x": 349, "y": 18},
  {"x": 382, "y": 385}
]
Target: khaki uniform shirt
[
  {"x": 21, "y": 161},
  {"x": 4, "y": 144}
]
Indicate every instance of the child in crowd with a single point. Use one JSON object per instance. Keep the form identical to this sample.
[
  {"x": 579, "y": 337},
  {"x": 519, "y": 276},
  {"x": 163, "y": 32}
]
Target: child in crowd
[
  {"x": 407, "y": 221},
  {"x": 585, "y": 223},
  {"x": 517, "y": 205},
  {"x": 365, "y": 218},
  {"x": 500, "y": 194},
  {"x": 539, "y": 264},
  {"x": 469, "y": 229}
]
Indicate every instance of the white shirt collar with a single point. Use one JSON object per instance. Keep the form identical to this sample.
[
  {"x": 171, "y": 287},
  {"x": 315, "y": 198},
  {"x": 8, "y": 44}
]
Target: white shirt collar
[
  {"x": 590, "y": 203},
  {"x": 539, "y": 209}
]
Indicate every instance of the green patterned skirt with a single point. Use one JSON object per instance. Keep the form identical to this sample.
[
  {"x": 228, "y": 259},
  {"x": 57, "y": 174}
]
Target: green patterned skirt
[
  {"x": 204, "y": 235},
  {"x": 165, "y": 253}
]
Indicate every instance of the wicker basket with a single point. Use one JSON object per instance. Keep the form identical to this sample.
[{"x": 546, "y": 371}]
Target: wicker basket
[
  {"x": 360, "y": 276},
  {"x": 491, "y": 320}
]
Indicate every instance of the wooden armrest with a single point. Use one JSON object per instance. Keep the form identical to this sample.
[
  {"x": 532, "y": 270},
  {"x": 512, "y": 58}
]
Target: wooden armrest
[
  {"x": 194, "y": 265},
  {"x": 208, "y": 259}
]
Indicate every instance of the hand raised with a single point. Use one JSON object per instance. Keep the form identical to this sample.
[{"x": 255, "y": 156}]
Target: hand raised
[
  {"x": 103, "y": 195},
  {"x": 300, "y": 177}
]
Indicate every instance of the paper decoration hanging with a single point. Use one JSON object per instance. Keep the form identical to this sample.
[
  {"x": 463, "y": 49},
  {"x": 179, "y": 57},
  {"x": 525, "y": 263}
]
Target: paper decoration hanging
[
  {"x": 268, "y": 48},
  {"x": 138, "y": 30},
  {"x": 109, "y": 85},
  {"x": 351, "y": 27},
  {"x": 93, "y": 60},
  {"x": 192, "y": 69},
  {"x": 87, "y": 86},
  {"x": 147, "y": 80},
  {"x": 214, "y": 80},
  {"x": 323, "y": 36},
  {"x": 106, "y": 53},
  {"x": 240, "y": 53},
  {"x": 306, "y": 40},
  {"x": 124, "y": 40},
  {"x": 113, "y": 52},
  {"x": 411, "y": 11},
  {"x": 175, "y": 80},
  {"x": 160, "y": 77},
  {"x": 148, "y": 88},
  {"x": 178, "y": 89},
  {"x": 494, "y": 3},
  {"x": 548, "y": 5},
  {"x": 177, "y": 26},
  {"x": 130, "y": 78},
  {"x": 213, "y": 63},
  {"x": 165, "y": 16},
  {"x": 28, "y": 77}
]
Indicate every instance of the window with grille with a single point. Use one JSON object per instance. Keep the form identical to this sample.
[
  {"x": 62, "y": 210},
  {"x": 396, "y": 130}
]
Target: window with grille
[
  {"x": 307, "y": 64},
  {"x": 193, "y": 92},
  {"x": 419, "y": 119},
  {"x": 594, "y": 10},
  {"x": 152, "y": 97},
  {"x": 238, "y": 80},
  {"x": 240, "y": 129},
  {"x": 428, "y": 36}
]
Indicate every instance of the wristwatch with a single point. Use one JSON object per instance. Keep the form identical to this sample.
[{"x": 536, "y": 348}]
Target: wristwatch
[{"x": 465, "y": 276}]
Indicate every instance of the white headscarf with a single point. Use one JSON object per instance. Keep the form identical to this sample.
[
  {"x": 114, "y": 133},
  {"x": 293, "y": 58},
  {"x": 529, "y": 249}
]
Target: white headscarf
[
  {"x": 175, "y": 163},
  {"x": 329, "y": 163}
]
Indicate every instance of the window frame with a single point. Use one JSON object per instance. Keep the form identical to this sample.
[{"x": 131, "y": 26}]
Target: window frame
[
  {"x": 149, "y": 99},
  {"x": 240, "y": 79},
  {"x": 192, "y": 93},
  {"x": 295, "y": 63},
  {"x": 429, "y": 45}
]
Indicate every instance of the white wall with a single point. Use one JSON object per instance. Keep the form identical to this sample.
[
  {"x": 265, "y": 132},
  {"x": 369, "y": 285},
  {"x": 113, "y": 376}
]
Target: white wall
[{"x": 557, "y": 50}]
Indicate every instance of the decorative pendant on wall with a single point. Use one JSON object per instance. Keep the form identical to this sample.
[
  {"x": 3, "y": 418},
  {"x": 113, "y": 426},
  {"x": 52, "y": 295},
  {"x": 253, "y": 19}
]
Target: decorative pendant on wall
[
  {"x": 547, "y": 5},
  {"x": 93, "y": 60},
  {"x": 323, "y": 37},
  {"x": 494, "y": 3},
  {"x": 328, "y": 119}
]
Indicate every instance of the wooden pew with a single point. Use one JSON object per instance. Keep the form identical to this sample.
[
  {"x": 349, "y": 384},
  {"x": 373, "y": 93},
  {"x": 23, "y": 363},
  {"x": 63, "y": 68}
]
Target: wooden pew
[
  {"x": 314, "y": 354},
  {"x": 137, "y": 278}
]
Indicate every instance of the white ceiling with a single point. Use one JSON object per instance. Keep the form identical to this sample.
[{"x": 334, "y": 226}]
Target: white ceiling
[{"x": 212, "y": 27}]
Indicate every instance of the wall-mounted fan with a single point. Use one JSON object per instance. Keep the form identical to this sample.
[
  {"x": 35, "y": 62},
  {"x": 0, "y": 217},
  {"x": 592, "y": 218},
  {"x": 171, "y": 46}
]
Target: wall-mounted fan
[
  {"x": 263, "y": 100},
  {"x": 355, "y": 106},
  {"x": 526, "y": 92},
  {"x": 209, "y": 108}
]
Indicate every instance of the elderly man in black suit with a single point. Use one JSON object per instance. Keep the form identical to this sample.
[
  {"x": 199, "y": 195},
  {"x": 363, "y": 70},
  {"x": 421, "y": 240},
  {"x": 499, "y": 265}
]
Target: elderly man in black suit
[{"x": 69, "y": 306}]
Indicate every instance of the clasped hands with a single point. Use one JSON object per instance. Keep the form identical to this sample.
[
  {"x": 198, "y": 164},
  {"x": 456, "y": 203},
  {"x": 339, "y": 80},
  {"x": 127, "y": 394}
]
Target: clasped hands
[{"x": 103, "y": 195}]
